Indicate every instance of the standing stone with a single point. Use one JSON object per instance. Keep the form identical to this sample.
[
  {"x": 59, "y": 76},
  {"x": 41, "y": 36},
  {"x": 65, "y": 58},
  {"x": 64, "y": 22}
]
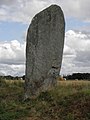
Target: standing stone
[{"x": 44, "y": 49}]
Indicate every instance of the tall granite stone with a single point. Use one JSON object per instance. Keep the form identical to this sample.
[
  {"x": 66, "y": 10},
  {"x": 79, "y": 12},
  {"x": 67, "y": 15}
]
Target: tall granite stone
[{"x": 44, "y": 49}]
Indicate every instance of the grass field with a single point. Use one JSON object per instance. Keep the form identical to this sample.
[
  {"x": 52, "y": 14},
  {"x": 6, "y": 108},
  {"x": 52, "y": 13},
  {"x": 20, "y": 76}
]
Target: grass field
[{"x": 70, "y": 100}]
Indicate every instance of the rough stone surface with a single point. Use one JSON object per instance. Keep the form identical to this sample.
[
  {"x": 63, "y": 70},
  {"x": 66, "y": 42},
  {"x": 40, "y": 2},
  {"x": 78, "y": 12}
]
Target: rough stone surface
[{"x": 44, "y": 49}]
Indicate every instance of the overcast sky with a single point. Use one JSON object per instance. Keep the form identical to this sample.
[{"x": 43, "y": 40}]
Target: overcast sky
[{"x": 15, "y": 17}]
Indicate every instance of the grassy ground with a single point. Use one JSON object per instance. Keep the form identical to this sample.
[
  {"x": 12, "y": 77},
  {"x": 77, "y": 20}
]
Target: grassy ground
[{"x": 70, "y": 100}]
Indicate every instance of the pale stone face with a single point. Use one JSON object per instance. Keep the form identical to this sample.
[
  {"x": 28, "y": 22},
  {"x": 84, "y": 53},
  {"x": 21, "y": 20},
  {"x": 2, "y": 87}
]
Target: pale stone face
[{"x": 44, "y": 49}]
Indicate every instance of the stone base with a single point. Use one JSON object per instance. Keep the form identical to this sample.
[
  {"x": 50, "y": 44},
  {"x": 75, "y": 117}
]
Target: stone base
[{"x": 35, "y": 89}]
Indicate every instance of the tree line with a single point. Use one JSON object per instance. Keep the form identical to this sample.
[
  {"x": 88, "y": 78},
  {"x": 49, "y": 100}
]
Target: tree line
[
  {"x": 78, "y": 76},
  {"x": 9, "y": 77},
  {"x": 74, "y": 76}
]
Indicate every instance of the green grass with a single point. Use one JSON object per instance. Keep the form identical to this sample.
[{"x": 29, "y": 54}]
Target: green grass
[{"x": 70, "y": 100}]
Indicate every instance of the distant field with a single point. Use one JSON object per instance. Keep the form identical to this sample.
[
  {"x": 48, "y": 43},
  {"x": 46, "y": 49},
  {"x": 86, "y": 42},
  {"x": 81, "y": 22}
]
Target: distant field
[{"x": 70, "y": 100}]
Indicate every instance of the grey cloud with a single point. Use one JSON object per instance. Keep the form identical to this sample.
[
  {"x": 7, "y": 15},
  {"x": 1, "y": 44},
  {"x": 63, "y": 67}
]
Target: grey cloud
[
  {"x": 77, "y": 8},
  {"x": 12, "y": 61},
  {"x": 7, "y": 2},
  {"x": 21, "y": 10},
  {"x": 83, "y": 58}
]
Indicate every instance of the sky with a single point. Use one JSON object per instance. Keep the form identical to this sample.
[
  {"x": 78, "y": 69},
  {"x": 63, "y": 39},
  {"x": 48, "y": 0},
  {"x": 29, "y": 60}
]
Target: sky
[{"x": 15, "y": 18}]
